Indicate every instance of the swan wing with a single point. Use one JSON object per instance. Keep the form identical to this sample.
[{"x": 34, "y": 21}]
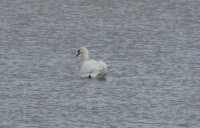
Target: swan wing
[{"x": 92, "y": 66}]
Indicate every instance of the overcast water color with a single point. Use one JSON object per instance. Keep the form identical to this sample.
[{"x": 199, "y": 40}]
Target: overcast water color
[{"x": 152, "y": 51}]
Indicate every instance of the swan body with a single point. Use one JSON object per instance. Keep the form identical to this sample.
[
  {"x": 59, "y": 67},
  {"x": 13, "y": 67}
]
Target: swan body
[{"x": 91, "y": 68}]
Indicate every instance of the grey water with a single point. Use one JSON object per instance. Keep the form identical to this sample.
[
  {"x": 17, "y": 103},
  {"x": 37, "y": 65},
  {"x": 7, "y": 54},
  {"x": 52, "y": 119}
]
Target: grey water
[{"x": 152, "y": 51}]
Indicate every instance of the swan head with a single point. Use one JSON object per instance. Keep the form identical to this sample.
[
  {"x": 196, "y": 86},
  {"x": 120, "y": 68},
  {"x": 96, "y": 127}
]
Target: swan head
[{"x": 82, "y": 50}]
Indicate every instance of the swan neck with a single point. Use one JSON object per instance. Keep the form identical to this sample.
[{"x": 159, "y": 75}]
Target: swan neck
[{"x": 86, "y": 56}]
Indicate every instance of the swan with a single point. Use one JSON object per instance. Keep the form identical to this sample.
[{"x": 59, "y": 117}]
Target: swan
[{"x": 91, "y": 68}]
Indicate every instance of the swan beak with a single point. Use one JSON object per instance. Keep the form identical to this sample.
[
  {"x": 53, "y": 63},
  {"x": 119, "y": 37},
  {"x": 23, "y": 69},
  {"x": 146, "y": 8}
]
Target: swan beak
[{"x": 77, "y": 54}]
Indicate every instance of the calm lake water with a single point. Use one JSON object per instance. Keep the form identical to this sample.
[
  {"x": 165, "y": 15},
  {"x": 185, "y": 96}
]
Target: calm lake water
[{"x": 152, "y": 50}]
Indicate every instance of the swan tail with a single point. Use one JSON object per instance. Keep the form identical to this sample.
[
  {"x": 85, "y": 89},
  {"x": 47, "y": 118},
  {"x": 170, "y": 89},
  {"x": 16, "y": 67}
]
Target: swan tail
[{"x": 102, "y": 74}]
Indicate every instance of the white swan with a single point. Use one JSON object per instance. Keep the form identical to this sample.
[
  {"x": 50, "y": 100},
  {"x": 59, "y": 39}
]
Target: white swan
[{"x": 91, "y": 68}]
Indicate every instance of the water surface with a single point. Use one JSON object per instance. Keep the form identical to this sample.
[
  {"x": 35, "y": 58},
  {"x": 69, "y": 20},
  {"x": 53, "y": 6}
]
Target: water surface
[{"x": 152, "y": 50}]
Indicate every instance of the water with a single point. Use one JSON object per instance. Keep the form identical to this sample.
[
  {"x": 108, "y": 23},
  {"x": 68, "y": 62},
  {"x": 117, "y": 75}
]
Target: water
[{"x": 152, "y": 50}]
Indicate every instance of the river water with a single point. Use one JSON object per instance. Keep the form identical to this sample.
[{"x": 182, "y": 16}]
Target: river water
[{"x": 152, "y": 50}]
